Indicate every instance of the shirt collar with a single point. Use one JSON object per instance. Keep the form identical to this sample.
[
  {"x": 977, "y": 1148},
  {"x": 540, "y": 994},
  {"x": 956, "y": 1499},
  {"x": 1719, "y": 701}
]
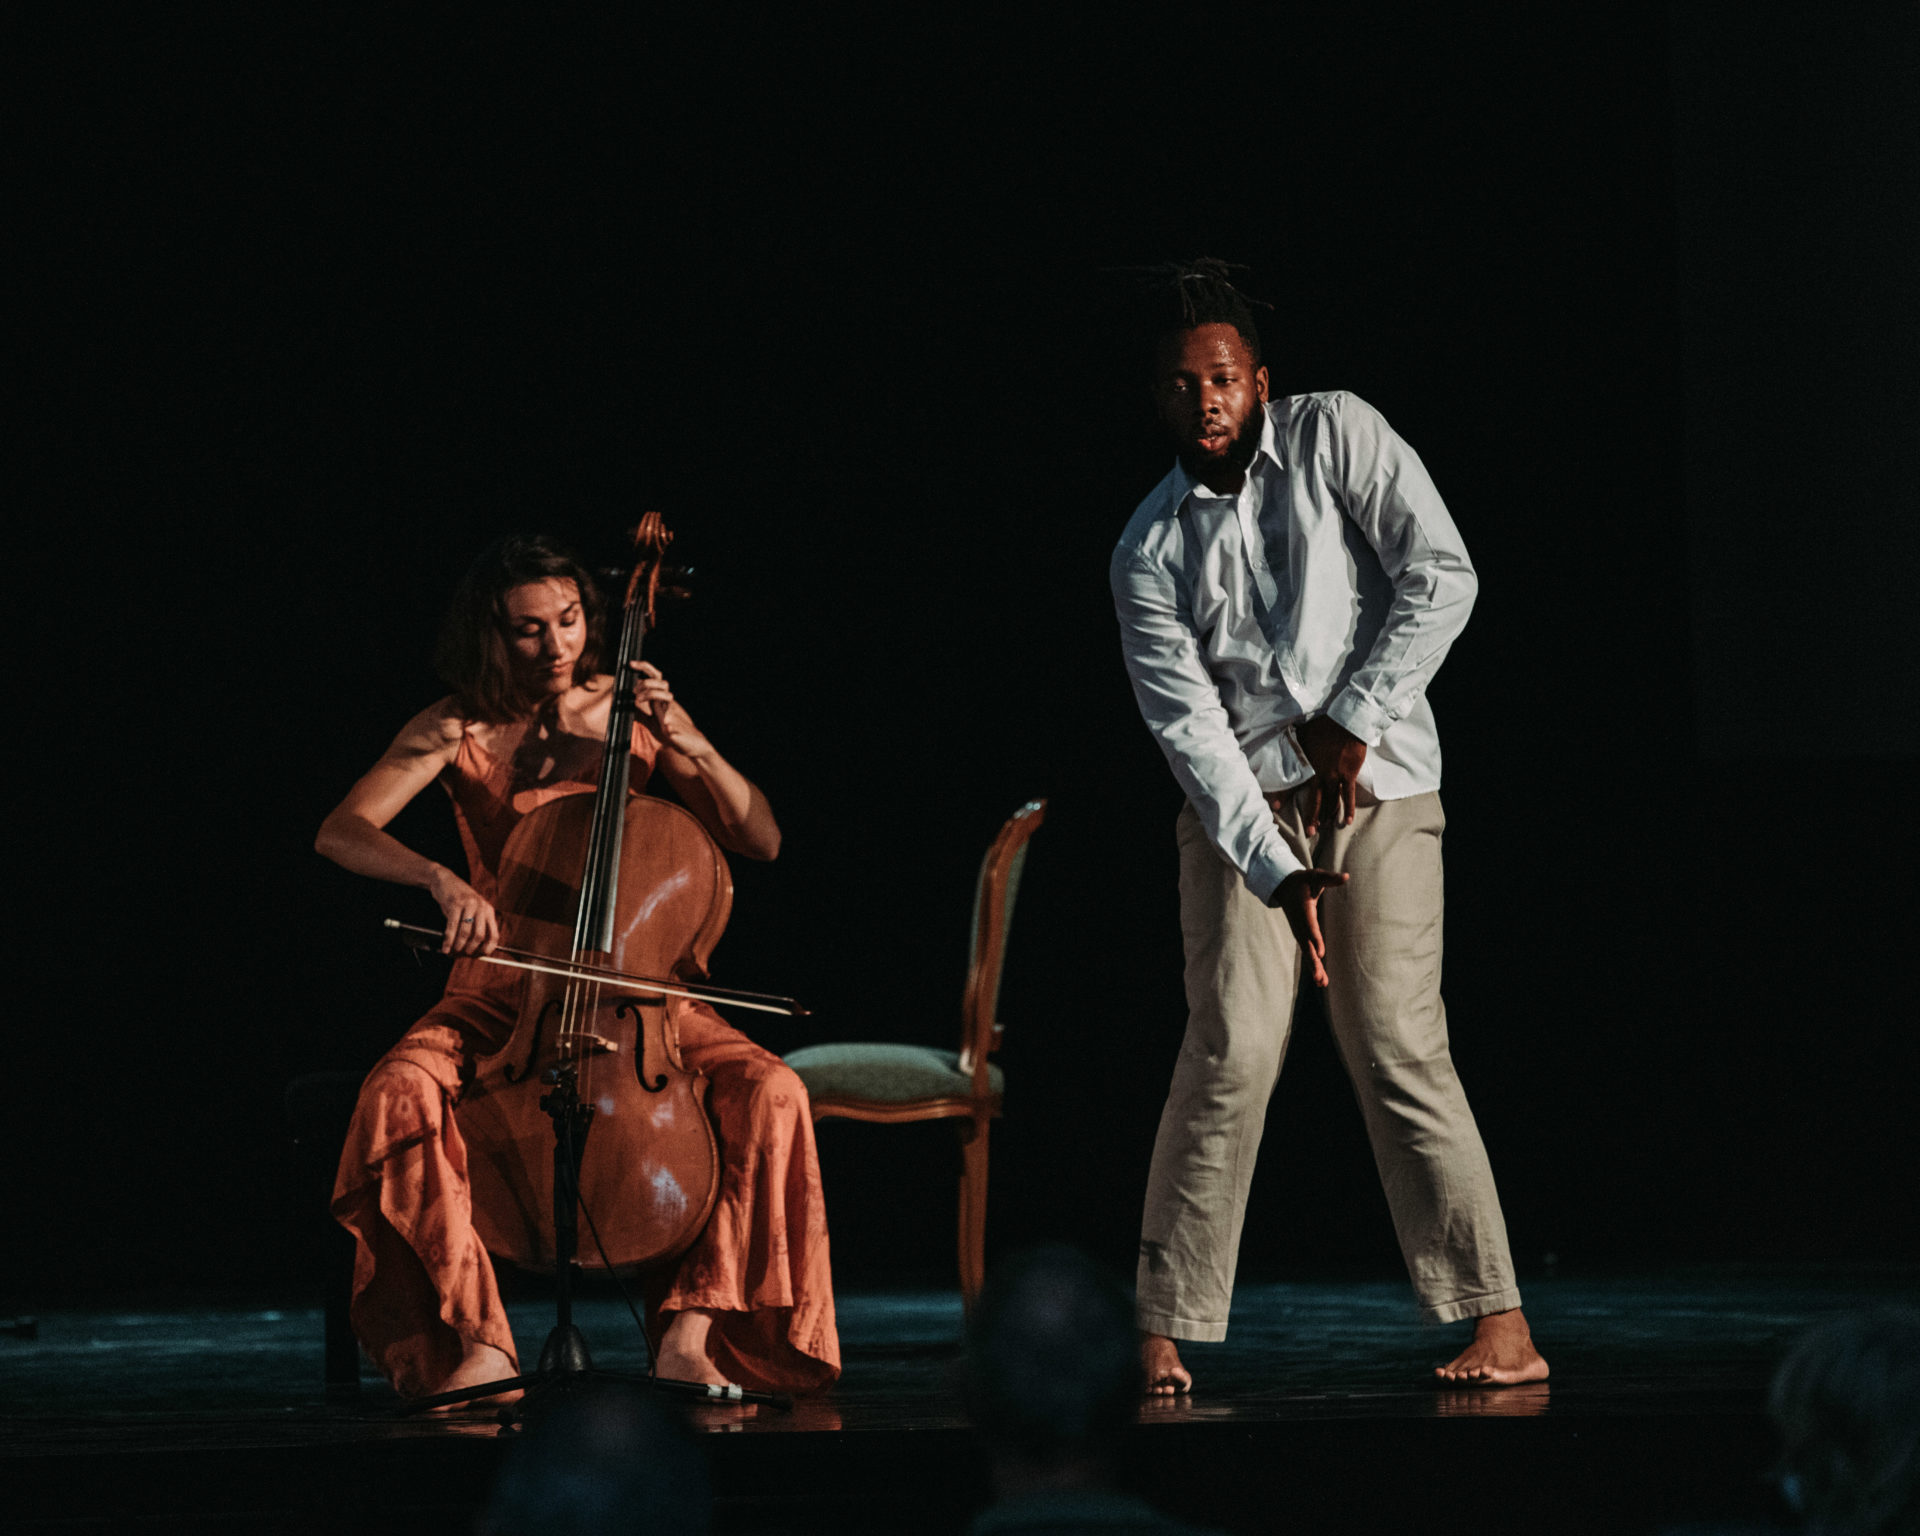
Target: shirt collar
[{"x": 1184, "y": 484}]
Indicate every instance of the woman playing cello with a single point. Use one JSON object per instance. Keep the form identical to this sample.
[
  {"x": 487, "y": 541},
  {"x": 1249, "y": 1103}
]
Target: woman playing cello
[{"x": 751, "y": 1301}]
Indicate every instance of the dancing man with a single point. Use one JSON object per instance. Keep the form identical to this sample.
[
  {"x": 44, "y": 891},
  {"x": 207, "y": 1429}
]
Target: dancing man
[{"x": 1285, "y": 596}]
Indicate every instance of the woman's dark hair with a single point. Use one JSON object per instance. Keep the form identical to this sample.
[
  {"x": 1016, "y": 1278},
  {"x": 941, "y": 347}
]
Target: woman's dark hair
[{"x": 473, "y": 657}]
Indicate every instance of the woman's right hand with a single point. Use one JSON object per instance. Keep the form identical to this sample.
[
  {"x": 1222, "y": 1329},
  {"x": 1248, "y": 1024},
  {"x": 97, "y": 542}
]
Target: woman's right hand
[{"x": 473, "y": 927}]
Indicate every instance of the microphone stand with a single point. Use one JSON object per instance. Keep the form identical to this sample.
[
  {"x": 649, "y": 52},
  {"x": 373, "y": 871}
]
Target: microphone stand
[{"x": 565, "y": 1364}]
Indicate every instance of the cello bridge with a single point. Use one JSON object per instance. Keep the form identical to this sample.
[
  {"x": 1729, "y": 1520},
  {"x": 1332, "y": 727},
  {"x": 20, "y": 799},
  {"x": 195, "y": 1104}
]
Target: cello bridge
[{"x": 586, "y": 1045}]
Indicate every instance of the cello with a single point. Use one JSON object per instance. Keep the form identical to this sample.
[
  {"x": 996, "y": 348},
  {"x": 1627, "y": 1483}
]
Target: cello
[{"x": 613, "y": 902}]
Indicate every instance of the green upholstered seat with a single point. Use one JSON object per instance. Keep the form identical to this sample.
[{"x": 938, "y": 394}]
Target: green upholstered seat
[{"x": 887, "y": 1074}]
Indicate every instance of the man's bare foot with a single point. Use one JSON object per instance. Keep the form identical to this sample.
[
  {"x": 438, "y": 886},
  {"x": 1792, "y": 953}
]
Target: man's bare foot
[
  {"x": 480, "y": 1364},
  {"x": 683, "y": 1355},
  {"x": 1160, "y": 1361},
  {"x": 1501, "y": 1355}
]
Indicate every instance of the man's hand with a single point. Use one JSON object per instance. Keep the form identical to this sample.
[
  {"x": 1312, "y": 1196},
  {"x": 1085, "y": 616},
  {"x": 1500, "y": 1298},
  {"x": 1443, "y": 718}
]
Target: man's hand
[
  {"x": 1299, "y": 897},
  {"x": 1335, "y": 755}
]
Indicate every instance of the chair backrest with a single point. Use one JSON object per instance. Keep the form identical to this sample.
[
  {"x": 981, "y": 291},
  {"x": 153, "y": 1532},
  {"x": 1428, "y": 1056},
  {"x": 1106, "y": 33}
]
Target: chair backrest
[{"x": 992, "y": 918}]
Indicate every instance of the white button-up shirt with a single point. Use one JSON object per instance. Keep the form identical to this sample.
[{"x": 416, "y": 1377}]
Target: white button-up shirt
[{"x": 1333, "y": 583}]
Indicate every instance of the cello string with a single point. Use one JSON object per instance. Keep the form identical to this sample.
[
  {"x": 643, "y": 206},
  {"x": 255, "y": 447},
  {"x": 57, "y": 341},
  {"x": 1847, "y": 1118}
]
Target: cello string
[
  {"x": 605, "y": 825},
  {"x": 594, "y": 867},
  {"x": 616, "y": 769},
  {"x": 592, "y": 1011},
  {"x": 606, "y": 810}
]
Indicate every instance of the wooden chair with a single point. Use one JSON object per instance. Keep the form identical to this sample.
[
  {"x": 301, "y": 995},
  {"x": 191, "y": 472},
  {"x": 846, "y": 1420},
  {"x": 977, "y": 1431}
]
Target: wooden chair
[
  {"x": 319, "y": 1108},
  {"x": 892, "y": 1084}
]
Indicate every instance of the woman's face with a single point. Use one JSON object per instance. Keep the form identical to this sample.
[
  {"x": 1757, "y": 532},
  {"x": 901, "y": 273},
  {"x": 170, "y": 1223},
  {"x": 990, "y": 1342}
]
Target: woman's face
[{"x": 546, "y": 631}]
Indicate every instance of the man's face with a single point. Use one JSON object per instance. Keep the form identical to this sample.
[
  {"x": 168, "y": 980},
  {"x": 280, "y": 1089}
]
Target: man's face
[{"x": 1209, "y": 394}]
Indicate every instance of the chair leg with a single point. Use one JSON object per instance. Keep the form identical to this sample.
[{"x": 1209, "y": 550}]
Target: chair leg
[
  {"x": 342, "y": 1348},
  {"x": 973, "y": 1208},
  {"x": 319, "y": 1109}
]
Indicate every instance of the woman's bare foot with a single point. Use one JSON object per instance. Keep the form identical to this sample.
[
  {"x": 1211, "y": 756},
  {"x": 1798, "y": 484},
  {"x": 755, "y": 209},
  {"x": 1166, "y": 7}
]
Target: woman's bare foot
[
  {"x": 480, "y": 1364},
  {"x": 1501, "y": 1354},
  {"x": 1160, "y": 1361},
  {"x": 683, "y": 1355}
]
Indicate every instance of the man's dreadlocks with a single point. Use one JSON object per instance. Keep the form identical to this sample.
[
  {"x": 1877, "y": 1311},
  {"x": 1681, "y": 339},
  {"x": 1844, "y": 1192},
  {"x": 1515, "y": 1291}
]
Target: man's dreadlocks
[{"x": 1181, "y": 295}]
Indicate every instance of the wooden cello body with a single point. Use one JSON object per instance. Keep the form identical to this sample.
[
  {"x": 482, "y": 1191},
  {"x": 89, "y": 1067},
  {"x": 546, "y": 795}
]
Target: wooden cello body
[{"x": 650, "y": 1170}]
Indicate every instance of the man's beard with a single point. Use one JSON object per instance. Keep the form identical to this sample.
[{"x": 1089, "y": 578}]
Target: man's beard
[{"x": 1239, "y": 455}]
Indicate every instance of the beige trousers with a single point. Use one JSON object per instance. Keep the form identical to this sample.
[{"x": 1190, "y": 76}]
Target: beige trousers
[{"x": 1383, "y": 933}]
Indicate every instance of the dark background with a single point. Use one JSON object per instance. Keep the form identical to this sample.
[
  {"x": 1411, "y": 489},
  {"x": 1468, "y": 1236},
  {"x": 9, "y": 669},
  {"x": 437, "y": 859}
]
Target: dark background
[{"x": 319, "y": 307}]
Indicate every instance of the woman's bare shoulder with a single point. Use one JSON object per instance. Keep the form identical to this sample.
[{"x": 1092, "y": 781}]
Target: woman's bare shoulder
[{"x": 435, "y": 732}]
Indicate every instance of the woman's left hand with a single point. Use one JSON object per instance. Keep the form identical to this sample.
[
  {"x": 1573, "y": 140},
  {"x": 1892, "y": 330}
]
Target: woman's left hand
[{"x": 666, "y": 717}]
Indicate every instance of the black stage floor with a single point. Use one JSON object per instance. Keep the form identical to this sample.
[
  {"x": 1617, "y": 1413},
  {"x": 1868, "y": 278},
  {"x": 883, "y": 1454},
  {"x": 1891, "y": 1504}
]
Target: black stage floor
[{"x": 1316, "y": 1415}]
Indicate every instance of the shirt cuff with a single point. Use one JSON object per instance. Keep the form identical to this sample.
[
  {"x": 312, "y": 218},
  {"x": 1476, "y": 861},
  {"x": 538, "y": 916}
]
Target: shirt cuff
[
  {"x": 1360, "y": 715},
  {"x": 1269, "y": 870}
]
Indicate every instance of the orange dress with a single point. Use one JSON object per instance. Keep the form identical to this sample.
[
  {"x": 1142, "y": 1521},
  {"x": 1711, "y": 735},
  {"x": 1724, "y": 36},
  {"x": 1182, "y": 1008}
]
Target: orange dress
[{"x": 423, "y": 1285}]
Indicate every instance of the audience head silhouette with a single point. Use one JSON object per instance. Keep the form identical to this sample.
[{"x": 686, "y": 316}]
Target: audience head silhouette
[
  {"x": 1053, "y": 1365},
  {"x": 1847, "y": 1404},
  {"x": 604, "y": 1461}
]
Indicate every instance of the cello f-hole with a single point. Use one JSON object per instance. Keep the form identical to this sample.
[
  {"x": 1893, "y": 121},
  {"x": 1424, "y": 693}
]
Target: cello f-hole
[
  {"x": 632, "y": 1005},
  {"x": 508, "y": 1073}
]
